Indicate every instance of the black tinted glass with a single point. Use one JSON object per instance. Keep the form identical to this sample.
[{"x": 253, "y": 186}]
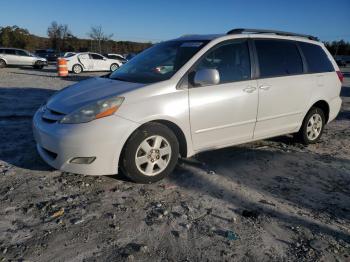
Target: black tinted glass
[
  {"x": 316, "y": 59},
  {"x": 97, "y": 57},
  {"x": 10, "y": 51},
  {"x": 278, "y": 58},
  {"x": 230, "y": 59}
]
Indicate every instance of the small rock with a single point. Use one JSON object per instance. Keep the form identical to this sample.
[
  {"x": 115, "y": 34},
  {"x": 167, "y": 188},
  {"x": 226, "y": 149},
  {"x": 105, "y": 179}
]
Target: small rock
[
  {"x": 175, "y": 233},
  {"x": 319, "y": 244},
  {"x": 76, "y": 221},
  {"x": 144, "y": 249},
  {"x": 254, "y": 214}
]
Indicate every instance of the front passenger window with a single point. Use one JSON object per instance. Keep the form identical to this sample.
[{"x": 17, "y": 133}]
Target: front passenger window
[{"x": 231, "y": 59}]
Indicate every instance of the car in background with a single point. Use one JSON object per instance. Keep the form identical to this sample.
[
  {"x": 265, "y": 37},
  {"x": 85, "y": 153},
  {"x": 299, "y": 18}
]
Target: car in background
[
  {"x": 119, "y": 57},
  {"x": 340, "y": 62},
  {"x": 80, "y": 62},
  {"x": 50, "y": 54},
  {"x": 67, "y": 54},
  {"x": 130, "y": 56},
  {"x": 20, "y": 57}
]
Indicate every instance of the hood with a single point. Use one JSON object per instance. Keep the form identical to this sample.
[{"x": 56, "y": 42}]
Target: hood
[{"x": 85, "y": 92}]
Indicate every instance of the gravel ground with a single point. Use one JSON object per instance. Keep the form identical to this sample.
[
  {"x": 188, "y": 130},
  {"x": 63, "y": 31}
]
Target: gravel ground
[{"x": 273, "y": 200}]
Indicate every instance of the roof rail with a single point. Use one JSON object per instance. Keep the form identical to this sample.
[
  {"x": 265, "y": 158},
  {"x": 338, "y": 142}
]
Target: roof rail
[{"x": 266, "y": 31}]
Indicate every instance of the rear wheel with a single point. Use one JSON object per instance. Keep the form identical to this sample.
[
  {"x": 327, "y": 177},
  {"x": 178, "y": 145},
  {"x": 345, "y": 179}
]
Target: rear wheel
[
  {"x": 2, "y": 63},
  {"x": 312, "y": 127},
  {"x": 77, "y": 69},
  {"x": 114, "y": 67},
  {"x": 150, "y": 154}
]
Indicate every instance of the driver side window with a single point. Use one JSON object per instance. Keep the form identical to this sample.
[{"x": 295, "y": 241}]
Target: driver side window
[
  {"x": 21, "y": 53},
  {"x": 230, "y": 59},
  {"x": 96, "y": 57}
]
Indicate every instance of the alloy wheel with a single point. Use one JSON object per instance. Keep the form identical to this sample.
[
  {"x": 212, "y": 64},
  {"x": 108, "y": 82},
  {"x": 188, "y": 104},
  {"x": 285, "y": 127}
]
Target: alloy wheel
[{"x": 153, "y": 155}]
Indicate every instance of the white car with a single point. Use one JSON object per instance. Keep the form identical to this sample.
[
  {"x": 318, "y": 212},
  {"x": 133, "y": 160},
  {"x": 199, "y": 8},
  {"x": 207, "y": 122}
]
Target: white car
[
  {"x": 188, "y": 95},
  {"x": 80, "y": 62},
  {"x": 20, "y": 57}
]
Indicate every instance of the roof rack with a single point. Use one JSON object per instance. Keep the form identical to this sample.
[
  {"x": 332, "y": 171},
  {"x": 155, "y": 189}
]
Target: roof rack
[{"x": 266, "y": 31}]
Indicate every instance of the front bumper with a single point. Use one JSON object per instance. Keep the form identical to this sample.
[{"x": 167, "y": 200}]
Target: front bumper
[{"x": 104, "y": 138}]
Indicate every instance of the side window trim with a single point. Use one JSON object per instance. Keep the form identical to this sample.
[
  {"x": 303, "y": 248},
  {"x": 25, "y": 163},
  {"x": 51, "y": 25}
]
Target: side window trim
[
  {"x": 303, "y": 58},
  {"x": 184, "y": 81}
]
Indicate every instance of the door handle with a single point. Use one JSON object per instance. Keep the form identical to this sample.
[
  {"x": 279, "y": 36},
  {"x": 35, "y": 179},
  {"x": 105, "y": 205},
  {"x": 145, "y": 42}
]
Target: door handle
[
  {"x": 264, "y": 87},
  {"x": 249, "y": 89}
]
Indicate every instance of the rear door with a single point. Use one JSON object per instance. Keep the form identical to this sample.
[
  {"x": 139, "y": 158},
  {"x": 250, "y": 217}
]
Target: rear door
[
  {"x": 284, "y": 88},
  {"x": 86, "y": 61},
  {"x": 224, "y": 114},
  {"x": 10, "y": 55}
]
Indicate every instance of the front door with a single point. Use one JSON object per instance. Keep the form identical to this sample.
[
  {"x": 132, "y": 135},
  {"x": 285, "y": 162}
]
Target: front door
[
  {"x": 24, "y": 58},
  {"x": 224, "y": 114},
  {"x": 100, "y": 63}
]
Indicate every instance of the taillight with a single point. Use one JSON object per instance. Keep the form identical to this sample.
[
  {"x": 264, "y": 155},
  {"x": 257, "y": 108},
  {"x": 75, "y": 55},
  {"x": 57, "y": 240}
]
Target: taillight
[{"x": 340, "y": 76}]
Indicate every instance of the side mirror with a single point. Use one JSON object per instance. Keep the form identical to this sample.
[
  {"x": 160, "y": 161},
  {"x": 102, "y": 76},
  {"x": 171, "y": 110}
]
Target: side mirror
[{"x": 205, "y": 77}]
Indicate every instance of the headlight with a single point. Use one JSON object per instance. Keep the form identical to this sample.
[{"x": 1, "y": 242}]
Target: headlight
[{"x": 99, "y": 109}]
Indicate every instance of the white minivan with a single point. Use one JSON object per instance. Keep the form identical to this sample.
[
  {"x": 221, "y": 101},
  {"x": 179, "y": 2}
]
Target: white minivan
[{"x": 188, "y": 95}]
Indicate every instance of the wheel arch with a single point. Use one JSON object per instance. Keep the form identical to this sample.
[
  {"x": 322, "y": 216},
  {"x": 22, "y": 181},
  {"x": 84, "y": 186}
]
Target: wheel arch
[
  {"x": 4, "y": 59},
  {"x": 322, "y": 104},
  {"x": 184, "y": 142}
]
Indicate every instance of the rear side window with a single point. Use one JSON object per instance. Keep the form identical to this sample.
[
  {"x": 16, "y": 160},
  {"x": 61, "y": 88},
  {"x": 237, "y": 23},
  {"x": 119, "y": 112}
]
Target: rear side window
[
  {"x": 10, "y": 51},
  {"x": 278, "y": 58},
  {"x": 316, "y": 59}
]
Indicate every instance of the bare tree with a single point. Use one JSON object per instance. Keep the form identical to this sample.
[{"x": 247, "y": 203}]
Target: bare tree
[
  {"x": 58, "y": 35},
  {"x": 96, "y": 33},
  {"x": 54, "y": 32}
]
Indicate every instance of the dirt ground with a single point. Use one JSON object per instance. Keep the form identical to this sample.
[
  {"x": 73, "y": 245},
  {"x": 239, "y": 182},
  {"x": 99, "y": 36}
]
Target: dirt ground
[{"x": 273, "y": 200}]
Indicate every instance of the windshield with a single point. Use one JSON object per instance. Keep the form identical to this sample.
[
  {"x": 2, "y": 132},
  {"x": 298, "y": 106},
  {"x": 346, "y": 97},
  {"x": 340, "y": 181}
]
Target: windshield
[{"x": 158, "y": 63}]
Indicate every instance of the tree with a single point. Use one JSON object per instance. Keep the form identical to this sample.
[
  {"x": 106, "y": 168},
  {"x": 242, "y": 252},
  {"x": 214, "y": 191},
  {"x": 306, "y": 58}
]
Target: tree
[
  {"x": 58, "y": 35},
  {"x": 14, "y": 36},
  {"x": 96, "y": 33}
]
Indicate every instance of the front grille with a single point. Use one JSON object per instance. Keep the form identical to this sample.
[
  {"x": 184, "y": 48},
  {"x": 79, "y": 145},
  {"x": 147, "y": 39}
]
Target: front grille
[{"x": 52, "y": 116}]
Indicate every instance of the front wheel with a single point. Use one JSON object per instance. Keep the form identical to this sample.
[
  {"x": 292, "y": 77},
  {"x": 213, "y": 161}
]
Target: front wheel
[
  {"x": 312, "y": 127},
  {"x": 150, "y": 154}
]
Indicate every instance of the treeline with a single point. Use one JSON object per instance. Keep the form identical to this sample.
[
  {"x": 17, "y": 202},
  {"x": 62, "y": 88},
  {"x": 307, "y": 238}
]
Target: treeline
[
  {"x": 61, "y": 39},
  {"x": 338, "y": 47}
]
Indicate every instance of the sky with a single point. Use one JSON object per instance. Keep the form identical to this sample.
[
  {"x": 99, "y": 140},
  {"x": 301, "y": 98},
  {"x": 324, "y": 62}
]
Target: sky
[{"x": 158, "y": 20}]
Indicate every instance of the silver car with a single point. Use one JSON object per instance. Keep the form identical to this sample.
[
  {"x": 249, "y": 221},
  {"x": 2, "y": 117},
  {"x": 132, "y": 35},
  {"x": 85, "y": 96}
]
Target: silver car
[{"x": 20, "y": 57}]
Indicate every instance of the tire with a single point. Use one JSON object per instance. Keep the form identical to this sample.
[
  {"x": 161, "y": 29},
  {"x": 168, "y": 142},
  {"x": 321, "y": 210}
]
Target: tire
[
  {"x": 38, "y": 66},
  {"x": 312, "y": 127},
  {"x": 157, "y": 149},
  {"x": 114, "y": 67},
  {"x": 77, "y": 69},
  {"x": 2, "y": 63}
]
